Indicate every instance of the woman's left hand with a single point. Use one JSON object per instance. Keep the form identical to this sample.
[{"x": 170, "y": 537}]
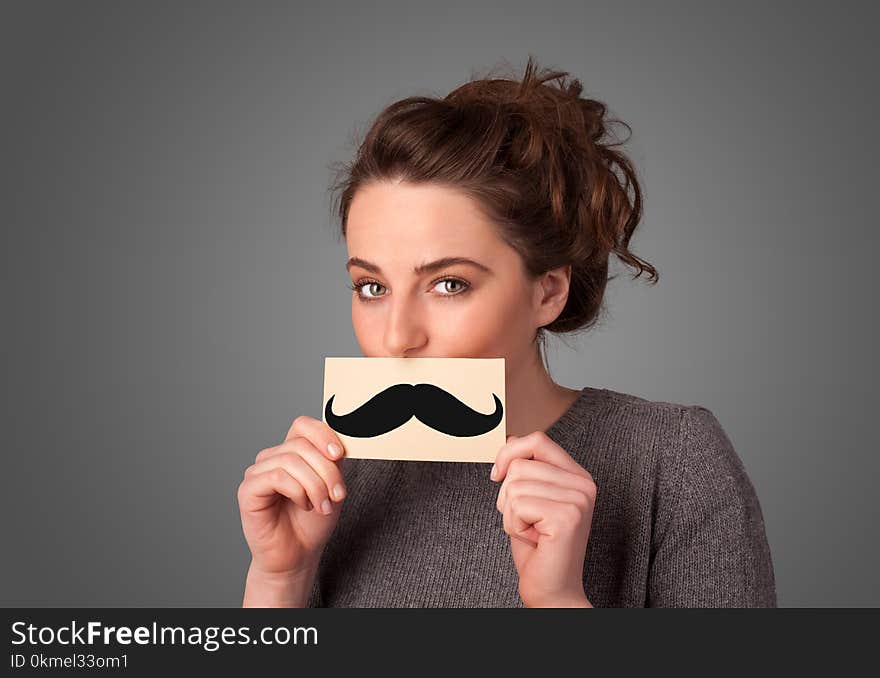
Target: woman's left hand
[{"x": 547, "y": 501}]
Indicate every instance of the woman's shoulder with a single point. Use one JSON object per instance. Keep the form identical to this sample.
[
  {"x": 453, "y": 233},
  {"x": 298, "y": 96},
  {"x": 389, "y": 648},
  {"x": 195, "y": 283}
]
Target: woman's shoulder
[
  {"x": 684, "y": 444},
  {"x": 604, "y": 407},
  {"x": 675, "y": 466},
  {"x": 678, "y": 453},
  {"x": 613, "y": 406},
  {"x": 672, "y": 435},
  {"x": 636, "y": 402}
]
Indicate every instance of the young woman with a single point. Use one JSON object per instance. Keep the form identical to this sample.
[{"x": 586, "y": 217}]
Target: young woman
[{"x": 475, "y": 224}]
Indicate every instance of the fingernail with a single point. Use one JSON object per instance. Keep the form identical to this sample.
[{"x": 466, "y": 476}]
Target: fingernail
[
  {"x": 335, "y": 452},
  {"x": 494, "y": 471},
  {"x": 338, "y": 492},
  {"x": 325, "y": 507}
]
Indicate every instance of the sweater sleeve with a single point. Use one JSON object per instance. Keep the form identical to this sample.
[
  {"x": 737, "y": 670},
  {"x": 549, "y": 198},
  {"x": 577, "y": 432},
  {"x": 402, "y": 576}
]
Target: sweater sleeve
[
  {"x": 714, "y": 550},
  {"x": 315, "y": 599}
]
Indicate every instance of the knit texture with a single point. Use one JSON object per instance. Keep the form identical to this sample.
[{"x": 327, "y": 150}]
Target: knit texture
[{"x": 677, "y": 522}]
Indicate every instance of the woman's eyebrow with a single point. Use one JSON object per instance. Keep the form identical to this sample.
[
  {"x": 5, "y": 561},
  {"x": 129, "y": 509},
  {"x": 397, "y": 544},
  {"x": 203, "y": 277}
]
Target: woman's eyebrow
[{"x": 421, "y": 268}]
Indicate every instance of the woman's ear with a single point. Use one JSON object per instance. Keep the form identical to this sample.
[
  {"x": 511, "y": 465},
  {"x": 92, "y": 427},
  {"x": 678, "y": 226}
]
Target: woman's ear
[{"x": 551, "y": 291}]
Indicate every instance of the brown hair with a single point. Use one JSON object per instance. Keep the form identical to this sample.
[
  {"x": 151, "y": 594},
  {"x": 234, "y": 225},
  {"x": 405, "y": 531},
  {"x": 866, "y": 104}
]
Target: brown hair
[{"x": 532, "y": 156}]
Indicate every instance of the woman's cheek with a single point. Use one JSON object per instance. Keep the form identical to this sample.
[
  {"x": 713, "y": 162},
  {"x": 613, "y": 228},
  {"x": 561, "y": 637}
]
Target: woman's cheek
[
  {"x": 474, "y": 330},
  {"x": 368, "y": 330}
]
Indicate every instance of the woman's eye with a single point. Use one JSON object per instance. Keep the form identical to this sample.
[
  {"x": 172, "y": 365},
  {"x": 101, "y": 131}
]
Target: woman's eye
[
  {"x": 371, "y": 286},
  {"x": 451, "y": 286}
]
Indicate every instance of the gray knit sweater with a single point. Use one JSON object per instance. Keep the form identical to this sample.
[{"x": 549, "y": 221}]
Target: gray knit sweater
[{"x": 676, "y": 523}]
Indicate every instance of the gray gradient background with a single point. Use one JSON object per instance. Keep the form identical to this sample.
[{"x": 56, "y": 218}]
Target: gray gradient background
[{"x": 172, "y": 282}]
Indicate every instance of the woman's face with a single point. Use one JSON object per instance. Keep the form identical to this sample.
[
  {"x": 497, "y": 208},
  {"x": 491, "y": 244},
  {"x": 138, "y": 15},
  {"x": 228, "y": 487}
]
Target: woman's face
[{"x": 409, "y": 302}]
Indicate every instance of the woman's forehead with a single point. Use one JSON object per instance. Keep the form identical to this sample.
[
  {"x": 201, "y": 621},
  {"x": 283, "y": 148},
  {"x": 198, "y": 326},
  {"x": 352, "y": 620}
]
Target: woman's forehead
[
  {"x": 423, "y": 237},
  {"x": 406, "y": 247},
  {"x": 405, "y": 226},
  {"x": 415, "y": 211}
]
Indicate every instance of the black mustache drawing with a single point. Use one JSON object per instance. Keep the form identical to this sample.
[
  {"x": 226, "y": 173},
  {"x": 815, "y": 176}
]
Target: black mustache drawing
[{"x": 397, "y": 404}]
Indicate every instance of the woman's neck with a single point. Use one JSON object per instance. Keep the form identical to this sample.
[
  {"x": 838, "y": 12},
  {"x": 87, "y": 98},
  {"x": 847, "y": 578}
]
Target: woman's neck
[{"x": 534, "y": 400}]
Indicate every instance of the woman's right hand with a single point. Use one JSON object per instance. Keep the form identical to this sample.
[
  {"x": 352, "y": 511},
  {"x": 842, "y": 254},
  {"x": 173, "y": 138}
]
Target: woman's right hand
[{"x": 284, "y": 497}]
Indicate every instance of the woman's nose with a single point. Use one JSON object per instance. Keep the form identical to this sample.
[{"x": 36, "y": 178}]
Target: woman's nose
[{"x": 405, "y": 331}]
